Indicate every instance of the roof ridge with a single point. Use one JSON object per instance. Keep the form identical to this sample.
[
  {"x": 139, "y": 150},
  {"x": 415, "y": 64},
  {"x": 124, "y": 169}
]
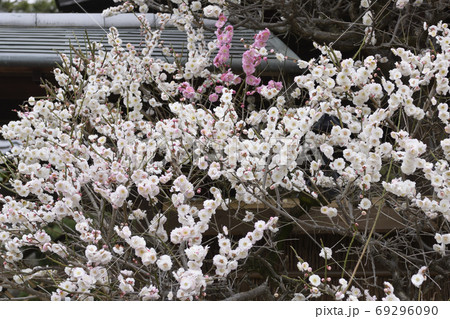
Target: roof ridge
[{"x": 79, "y": 20}]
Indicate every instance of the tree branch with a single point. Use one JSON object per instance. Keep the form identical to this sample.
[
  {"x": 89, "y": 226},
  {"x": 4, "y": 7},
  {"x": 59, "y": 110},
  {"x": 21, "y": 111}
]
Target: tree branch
[{"x": 251, "y": 294}]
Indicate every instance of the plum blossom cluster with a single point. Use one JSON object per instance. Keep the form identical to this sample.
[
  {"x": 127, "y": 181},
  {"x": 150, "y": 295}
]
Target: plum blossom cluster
[
  {"x": 315, "y": 286},
  {"x": 363, "y": 157},
  {"x": 442, "y": 242},
  {"x": 253, "y": 56},
  {"x": 223, "y": 41},
  {"x": 138, "y": 160}
]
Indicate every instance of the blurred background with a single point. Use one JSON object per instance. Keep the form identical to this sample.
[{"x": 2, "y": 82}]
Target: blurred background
[
  {"x": 47, "y": 6},
  {"x": 28, "y": 6}
]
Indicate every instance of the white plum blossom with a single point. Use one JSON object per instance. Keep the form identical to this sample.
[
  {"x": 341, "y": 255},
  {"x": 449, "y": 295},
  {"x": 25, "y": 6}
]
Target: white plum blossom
[
  {"x": 365, "y": 203},
  {"x": 417, "y": 280},
  {"x": 147, "y": 165},
  {"x": 164, "y": 263},
  {"x": 326, "y": 253},
  {"x": 329, "y": 211},
  {"x": 314, "y": 280}
]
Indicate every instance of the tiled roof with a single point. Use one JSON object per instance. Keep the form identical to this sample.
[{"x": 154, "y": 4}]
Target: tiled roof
[{"x": 36, "y": 39}]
